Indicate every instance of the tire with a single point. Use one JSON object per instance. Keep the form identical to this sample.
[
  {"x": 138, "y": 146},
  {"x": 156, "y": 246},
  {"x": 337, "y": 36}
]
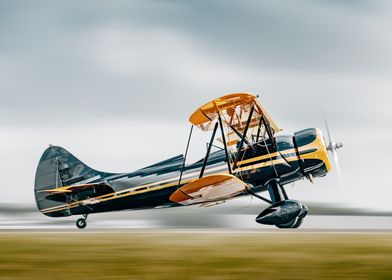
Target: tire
[
  {"x": 290, "y": 224},
  {"x": 304, "y": 212},
  {"x": 299, "y": 223},
  {"x": 81, "y": 223}
]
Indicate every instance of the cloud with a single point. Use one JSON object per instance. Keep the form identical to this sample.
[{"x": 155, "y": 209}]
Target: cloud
[
  {"x": 66, "y": 61},
  {"x": 300, "y": 36}
]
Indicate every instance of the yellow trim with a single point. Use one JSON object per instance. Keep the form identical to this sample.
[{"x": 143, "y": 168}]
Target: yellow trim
[
  {"x": 57, "y": 190},
  {"x": 268, "y": 163},
  {"x": 321, "y": 152},
  {"x": 267, "y": 156}
]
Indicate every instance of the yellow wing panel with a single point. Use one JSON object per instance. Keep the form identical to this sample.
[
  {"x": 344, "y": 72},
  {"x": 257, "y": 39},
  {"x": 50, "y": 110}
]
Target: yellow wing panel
[
  {"x": 234, "y": 110},
  {"x": 209, "y": 189}
]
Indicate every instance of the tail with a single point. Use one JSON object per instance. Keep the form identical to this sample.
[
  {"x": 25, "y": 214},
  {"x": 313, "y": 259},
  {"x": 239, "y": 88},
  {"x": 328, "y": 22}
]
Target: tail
[{"x": 58, "y": 168}]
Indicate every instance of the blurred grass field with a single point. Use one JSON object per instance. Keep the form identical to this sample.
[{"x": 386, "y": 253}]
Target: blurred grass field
[{"x": 195, "y": 256}]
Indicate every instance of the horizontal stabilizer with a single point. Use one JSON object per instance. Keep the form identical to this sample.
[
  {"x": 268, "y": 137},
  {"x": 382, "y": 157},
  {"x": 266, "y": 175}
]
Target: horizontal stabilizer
[
  {"x": 209, "y": 189},
  {"x": 62, "y": 194},
  {"x": 76, "y": 188}
]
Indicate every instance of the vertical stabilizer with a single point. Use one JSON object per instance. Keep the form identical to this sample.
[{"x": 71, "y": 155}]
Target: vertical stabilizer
[{"x": 58, "y": 168}]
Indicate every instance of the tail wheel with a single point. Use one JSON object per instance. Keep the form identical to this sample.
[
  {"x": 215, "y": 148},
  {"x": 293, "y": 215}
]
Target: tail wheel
[{"x": 81, "y": 223}]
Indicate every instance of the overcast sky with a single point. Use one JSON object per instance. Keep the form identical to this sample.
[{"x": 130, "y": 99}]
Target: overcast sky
[{"x": 114, "y": 82}]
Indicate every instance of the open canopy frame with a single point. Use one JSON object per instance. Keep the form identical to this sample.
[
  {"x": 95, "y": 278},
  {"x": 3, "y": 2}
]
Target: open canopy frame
[{"x": 238, "y": 115}]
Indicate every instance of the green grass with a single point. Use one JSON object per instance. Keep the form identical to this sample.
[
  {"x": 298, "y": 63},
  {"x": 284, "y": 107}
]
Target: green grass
[{"x": 195, "y": 256}]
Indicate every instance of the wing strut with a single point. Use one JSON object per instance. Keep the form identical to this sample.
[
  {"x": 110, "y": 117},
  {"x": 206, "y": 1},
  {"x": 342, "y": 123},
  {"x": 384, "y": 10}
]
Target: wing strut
[
  {"x": 259, "y": 130},
  {"x": 208, "y": 151},
  {"x": 243, "y": 137},
  {"x": 268, "y": 151},
  {"x": 186, "y": 154},
  {"x": 268, "y": 128},
  {"x": 251, "y": 192},
  {"x": 225, "y": 144}
]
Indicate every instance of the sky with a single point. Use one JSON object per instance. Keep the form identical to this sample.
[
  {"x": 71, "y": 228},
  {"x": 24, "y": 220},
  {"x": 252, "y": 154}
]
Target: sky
[{"x": 115, "y": 82}]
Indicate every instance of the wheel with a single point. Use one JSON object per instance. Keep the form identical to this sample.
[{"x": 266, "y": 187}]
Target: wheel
[
  {"x": 296, "y": 223},
  {"x": 81, "y": 223},
  {"x": 290, "y": 224},
  {"x": 299, "y": 223},
  {"x": 304, "y": 212}
]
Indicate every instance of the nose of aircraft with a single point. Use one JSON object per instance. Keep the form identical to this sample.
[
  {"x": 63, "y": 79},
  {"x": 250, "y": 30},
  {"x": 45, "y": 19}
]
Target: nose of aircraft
[
  {"x": 313, "y": 152},
  {"x": 323, "y": 148}
]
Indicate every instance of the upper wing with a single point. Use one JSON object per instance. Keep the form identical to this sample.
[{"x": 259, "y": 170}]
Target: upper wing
[
  {"x": 234, "y": 110},
  {"x": 209, "y": 189}
]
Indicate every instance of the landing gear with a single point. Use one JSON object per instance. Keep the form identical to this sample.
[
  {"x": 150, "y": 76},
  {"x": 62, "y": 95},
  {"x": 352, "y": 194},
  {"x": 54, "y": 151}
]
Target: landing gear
[
  {"x": 82, "y": 222},
  {"x": 283, "y": 213},
  {"x": 298, "y": 223},
  {"x": 295, "y": 223}
]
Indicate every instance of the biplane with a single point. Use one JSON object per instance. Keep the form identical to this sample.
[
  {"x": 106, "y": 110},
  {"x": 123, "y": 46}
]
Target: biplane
[{"x": 254, "y": 157}]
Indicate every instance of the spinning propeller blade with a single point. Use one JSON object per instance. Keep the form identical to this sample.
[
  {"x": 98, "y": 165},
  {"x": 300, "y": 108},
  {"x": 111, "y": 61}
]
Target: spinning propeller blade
[
  {"x": 337, "y": 165},
  {"x": 333, "y": 147},
  {"x": 330, "y": 138}
]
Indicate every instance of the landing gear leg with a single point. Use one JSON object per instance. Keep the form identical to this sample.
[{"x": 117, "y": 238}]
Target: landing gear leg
[
  {"x": 276, "y": 192},
  {"x": 283, "y": 213},
  {"x": 82, "y": 222}
]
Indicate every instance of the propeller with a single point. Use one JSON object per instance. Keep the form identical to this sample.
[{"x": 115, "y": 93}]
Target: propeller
[{"x": 333, "y": 147}]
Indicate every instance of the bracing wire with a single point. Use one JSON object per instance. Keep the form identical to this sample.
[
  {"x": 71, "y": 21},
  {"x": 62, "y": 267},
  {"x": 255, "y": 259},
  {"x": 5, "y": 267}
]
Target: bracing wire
[{"x": 186, "y": 154}]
